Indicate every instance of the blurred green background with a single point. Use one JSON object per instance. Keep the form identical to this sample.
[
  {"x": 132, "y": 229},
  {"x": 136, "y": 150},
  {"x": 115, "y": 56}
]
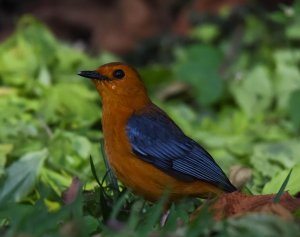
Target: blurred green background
[{"x": 228, "y": 72}]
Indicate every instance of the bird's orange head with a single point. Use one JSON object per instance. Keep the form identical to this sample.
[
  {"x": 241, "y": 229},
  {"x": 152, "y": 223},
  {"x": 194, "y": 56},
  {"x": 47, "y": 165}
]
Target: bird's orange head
[{"x": 118, "y": 82}]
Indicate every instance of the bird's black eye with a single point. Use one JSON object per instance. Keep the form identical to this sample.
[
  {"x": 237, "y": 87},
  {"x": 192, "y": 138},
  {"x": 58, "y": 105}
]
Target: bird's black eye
[{"x": 118, "y": 74}]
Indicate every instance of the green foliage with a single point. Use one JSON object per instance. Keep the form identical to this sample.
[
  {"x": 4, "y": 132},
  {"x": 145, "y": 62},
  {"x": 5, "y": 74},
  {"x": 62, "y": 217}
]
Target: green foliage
[
  {"x": 21, "y": 175},
  {"x": 293, "y": 109},
  {"x": 251, "y": 98},
  {"x": 243, "y": 110},
  {"x": 292, "y": 186},
  {"x": 198, "y": 65},
  {"x": 260, "y": 225},
  {"x": 44, "y": 104},
  {"x": 280, "y": 192}
]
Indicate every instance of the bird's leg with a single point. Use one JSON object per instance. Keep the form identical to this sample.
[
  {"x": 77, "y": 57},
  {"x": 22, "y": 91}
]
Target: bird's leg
[{"x": 164, "y": 217}]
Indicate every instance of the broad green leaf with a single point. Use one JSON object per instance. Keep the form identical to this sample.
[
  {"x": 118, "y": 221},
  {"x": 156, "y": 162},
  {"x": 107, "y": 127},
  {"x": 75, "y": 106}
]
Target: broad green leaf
[
  {"x": 21, "y": 175},
  {"x": 27, "y": 50},
  {"x": 278, "y": 17},
  {"x": 17, "y": 62},
  {"x": 224, "y": 158},
  {"x": 254, "y": 92},
  {"x": 52, "y": 206},
  {"x": 91, "y": 223},
  {"x": 184, "y": 116},
  {"x": 198, "y": 65},
  {"x": 69, "y": 151},
  {"x": 5, "y": 149},
  {"x": 287, "y": 76},
  {"x": 38, "y": 36},
  {"x": 280, "y": 192},
  {"x": 271, "y": 158},
  {"x": 293, "y": 109},
  {"x": 206, "y": 32},
  {"x": 57, "y": 181},
  {"x": 293, "y": 31},
  {"x": 155, "y": 75},
  {"x": 293, "y": 186},
  {"x": 255, "y": 31},
  {"x": 70, "y": 103},
  {"x": 67, "y": 65}
]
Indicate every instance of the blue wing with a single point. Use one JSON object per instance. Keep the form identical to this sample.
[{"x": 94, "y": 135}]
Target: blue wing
[{"x": 156, "y": 139}]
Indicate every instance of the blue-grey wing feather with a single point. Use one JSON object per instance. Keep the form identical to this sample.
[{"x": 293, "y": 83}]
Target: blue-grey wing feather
[{"x": 156, "y": 139}]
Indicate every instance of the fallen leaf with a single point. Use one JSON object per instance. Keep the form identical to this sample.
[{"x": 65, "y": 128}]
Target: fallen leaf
[
  {"x": 237, "y": 204},
  {"x": 276, "y": 209},
  {"x": 69, "y": 195}
]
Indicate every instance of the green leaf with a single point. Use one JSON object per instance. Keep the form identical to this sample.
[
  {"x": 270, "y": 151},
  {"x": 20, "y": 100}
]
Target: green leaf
[
  {"x": 255, "y": 30},
  {"x": 287, "y": 76},
  {"x": 260, "y": 225},
  {"x": 271, "y": 158},
  {"x": 18, "y": 62},
  {"x": 69, "y": 103},
  {"x": 153, "y": 215},
  {"x": 293, "y": 31},
  {"x": 57, "y": 181},
  {"x": 278, "y": 17},
  {"x": 21, "y": 175},
  {"x": 293, "y": 186},
  {"x": 155, "y": 75},
  {"x": 250, "y": 97},
  {"x": 199, "y": 65},
  {"x": 5, "y": 149},
  {"x": 293, "y": 109},
  {"x": 70, "y": 150},
  {"x": 206, "y": 32},
  {"x": 91, "y": 224},
  {"x": 31, "y": 47},
  {"x": 94, "y": 172},
  {"x": 42, "y": 41},
  {"x": 282, "y": 188}
]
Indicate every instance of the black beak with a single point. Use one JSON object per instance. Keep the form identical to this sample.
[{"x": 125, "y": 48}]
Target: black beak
[{"x": 93, "y": 75}]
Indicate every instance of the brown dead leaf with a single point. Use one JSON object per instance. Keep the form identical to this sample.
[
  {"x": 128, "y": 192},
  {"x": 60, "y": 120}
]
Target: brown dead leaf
[
  {"x": 70, "y": 228},
  {"x": 69, "y": 195},
  {"x": 237, "y": 204},
  {"x": 116, "y": 225},
  {"x": 276, "y": 209}
]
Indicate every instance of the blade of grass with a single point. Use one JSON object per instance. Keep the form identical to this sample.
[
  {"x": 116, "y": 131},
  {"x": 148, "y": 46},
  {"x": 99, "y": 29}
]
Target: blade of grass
[
  {"x": 153, "y": 216},
  {"x": 104, "y": 198},
  {"x": 112, "y": 180},
  {"x": 94, "y": 171},
  {"x": 118, "y": 205},
  {"x": 104, "y": 204},
  {"x": 203, "y": 221},
  {"x": 282, "y": 188}
]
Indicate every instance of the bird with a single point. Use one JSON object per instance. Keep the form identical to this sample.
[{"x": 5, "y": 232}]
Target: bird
[{"x": 145, "y": 148}]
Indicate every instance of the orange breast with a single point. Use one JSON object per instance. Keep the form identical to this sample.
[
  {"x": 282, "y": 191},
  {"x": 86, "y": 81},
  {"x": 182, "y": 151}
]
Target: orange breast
[{"x": 143, "y": 178}]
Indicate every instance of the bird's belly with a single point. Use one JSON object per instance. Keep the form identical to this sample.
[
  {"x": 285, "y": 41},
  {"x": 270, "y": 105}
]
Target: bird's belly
[{"x": 146, "y": 180}]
